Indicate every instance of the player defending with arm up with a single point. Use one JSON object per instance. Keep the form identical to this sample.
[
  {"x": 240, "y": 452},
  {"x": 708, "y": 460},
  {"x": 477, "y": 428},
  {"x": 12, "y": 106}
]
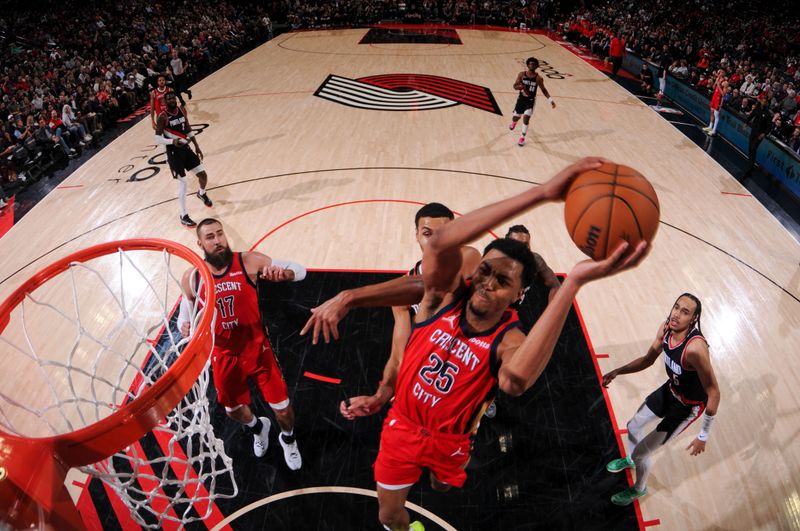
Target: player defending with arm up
[
  {"x": 527, "y": 83},
  {"x": 464, "y": 342}
]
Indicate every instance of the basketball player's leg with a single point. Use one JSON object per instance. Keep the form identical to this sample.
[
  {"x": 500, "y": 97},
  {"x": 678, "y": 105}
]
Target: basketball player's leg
[
  {"x": 269, "y": 379},
  {"x": 676, "y": 419},
  {"x": 234, "y": 394},
  {"x": 526, "y": 120},
  {"x": 447, "y": 459},
  {"x": 396, "y": 470},
  {"x": 652, "y": 409},
  {"x": 519, "y": 108},
  {"x": 392, "y": 513},
  {"x": 202, "y": 178}
]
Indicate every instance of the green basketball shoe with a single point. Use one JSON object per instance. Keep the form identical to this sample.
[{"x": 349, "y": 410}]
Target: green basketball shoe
[
  {"x": 618, "y": 465},
  {"x": 627, "y": 496}
]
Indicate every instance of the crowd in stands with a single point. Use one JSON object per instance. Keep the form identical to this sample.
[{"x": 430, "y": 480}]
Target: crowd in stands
[
  {"x": 351, "y": 13},
  {"x": 756, "y": 45},
  {"x": 69, "y": 69}
]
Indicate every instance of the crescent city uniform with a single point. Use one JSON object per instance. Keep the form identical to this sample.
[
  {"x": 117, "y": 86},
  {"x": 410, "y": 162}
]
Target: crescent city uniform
[
  {"x": 158, "y": 95},
  {"x": 242, "y": 350},
  {"x": 447, "y": 377}
]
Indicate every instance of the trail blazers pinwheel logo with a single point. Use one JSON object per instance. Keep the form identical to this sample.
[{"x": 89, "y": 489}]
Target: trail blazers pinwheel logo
[{"x": 406, "y": 92}]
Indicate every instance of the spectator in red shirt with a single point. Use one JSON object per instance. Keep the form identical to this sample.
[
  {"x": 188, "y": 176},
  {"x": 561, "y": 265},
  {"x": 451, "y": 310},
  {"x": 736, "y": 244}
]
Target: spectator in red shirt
[{"x": 616, "y": 52}]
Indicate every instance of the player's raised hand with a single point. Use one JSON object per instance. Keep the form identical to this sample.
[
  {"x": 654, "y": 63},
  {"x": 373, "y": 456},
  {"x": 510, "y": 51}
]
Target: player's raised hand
[
  {"x": 325, "y": 319},
  {"x": 273, "y": 273},
  {"x": 620, "y": 260},
  {"x": 556, "y": 188}
]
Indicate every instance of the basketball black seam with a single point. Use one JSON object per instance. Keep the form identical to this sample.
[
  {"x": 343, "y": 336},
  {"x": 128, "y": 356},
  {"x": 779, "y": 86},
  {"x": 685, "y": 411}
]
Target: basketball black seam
[
  {"x": 627, "y": 187},
  {"x": 633, "y": 214},
  {"x": 611, "y": 210}
]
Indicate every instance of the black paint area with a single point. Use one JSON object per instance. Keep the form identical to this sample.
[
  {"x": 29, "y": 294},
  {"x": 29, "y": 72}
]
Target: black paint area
[{"x": 410, "y": 36}]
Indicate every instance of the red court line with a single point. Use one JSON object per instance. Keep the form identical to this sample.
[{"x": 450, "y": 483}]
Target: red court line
[
  {"x": 121, "y": 511},
  {"x": 651, "y": 522},
  {"x": 346, "y": 203},
  {"x": 623, "y": 431},
  {"x": 183, "y": 471},
  {"x": 734, "y": 193},
  {"x": 86, "y": 508},
  {"x": 611, "y": 414},
  {"x": 322, "y": 378},
  {"x": 599, "y": 356},
  {"x": 69, "y": 186}
]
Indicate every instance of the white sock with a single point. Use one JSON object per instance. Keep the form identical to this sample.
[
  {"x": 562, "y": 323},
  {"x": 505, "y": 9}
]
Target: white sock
[
  {"x": 287, "y": 433},
  {"x": 182, "y": 195},
  {"x": 252, "y": 422},
  {"x": 524, "y": 129},
  {"x": 202, "y": 191},
  {"x": 716, "y": 122}
]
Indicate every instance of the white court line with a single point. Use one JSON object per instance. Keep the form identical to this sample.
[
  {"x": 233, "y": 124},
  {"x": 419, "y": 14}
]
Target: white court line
[{"x": 317, "y": 490}]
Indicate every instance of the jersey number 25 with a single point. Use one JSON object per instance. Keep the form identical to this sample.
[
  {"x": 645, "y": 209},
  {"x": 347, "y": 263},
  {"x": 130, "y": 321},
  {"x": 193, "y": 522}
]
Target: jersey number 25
[{"x": 439, "y": 373}]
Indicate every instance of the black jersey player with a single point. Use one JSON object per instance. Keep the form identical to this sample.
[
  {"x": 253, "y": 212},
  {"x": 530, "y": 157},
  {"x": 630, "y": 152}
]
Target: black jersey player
[
  {"x": 691, "y": 390},
  {"x": 173, "y": 130},
  {"x": 527, "y": 83}
]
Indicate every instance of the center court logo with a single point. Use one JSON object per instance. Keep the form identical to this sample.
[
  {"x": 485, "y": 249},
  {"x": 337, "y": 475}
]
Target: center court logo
[{"x": 406, "y": 92}]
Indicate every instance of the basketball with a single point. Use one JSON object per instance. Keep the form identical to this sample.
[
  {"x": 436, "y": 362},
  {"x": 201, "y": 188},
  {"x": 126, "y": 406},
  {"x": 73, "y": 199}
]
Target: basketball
[{"x": 607, "y": 205}]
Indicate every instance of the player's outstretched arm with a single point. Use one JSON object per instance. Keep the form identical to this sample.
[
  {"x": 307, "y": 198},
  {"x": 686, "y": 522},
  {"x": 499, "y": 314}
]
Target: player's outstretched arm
[
  {"x": 324, "y": 320},
  {"x": 187, "y": 300},
  {"x": 362, "y": 406},
  {"x": 259, "y": 265},
  {"x": 522, "y": 359},
  {"x": 642, "y": 362}
]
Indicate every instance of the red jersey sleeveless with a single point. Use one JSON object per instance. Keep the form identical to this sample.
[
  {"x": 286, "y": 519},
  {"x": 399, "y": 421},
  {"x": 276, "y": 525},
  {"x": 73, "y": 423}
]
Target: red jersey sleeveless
[
  {"x": 238, "y": 326},
  {"x": 159, "y": 105},
  {"x": 447, "y": 373},
  {"x": 716, "y": 98}
]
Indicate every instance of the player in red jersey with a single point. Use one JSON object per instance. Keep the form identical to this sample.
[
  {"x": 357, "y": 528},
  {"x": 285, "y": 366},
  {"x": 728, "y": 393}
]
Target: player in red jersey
[
  {"x": 242, "y": 350},
  {"x": 427, "y": 219},
  {"x": 465, "y": 342},
  {"x": 157, "y": 103}
]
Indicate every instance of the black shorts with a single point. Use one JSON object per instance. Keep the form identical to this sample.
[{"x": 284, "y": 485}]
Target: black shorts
[
  {"x": 676, "y": 416},
  {"x": 523, "y": 104},
  {"x": 182, "y": 159}
]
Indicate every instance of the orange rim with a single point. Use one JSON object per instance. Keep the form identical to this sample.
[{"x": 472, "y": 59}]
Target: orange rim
[{"x": 134, "y": 419}]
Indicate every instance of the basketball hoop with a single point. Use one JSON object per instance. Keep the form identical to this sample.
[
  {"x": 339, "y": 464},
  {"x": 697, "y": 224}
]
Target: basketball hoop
[{"x": 94, "y": 339}]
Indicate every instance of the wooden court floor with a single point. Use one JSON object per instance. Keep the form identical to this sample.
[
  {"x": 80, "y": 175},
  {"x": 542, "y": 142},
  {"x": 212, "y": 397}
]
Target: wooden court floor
[{"x": 333, "y": 186}]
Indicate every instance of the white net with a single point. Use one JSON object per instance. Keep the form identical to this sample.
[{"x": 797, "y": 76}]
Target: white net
[{"x": 92, "y": 339}]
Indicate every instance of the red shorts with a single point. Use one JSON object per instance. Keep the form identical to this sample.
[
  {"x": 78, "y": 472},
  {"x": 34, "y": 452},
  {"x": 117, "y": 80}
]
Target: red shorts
[
  {"x": 407, "y": 448},
  {"x": 231, "y": 373}
]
